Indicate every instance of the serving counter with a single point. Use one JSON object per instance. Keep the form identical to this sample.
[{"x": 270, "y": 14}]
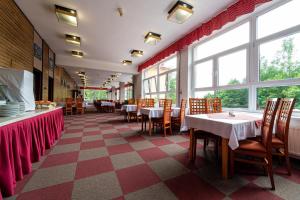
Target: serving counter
[{"x": 23, "y": 140}]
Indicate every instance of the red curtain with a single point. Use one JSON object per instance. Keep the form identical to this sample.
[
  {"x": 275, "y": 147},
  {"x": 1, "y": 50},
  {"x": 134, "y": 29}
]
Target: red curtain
[{"x": 242, "y": 7}]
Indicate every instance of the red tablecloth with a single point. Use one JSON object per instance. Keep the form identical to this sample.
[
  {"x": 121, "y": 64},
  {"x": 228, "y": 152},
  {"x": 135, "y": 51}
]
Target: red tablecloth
[{"x": 24, "y": 142}]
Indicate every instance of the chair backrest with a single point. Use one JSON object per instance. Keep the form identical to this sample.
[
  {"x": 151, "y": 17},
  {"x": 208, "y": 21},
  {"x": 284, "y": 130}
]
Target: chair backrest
[
  {"x": 285, "y": 110},
  {"x": 167, "y": 111},
  {"x": 139, "y": 105},
  {"x": 149, "y": 103},
  {"x": 214, "y": 105},
  {"x": 69, "y": 99},
  {"x": 268, "y": 122},
  {"x": 198, "y": 106},
  {"x": 131, "y": 101},
  {"x": 161, "y": 102},
  {"x": 182, "y": 109}
]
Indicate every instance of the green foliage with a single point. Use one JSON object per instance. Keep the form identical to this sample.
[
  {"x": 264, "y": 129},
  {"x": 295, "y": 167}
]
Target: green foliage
[
  {"x": 280, "y": 68},
  {"x": 172, "y": 89},
  {"x": 91, "y": 95}
]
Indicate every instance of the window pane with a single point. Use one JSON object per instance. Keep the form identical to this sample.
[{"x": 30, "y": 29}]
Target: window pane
[
  {"x": 277, "y": 92},
  {"x": 162, "y": 96},
  {"x": 168, "y": 65},
  {"x": 234, "y": 98},
  {"x": 203, "y": 75},
  {"x": 279, "y": 19},
  {"x": 232, "y": 68},
  {"x": 154, "y": 96},
  {"x": 204, "y": 94},
  {"x": 152, "y": 82},
  {"x": 280, "y": 59},
  {"x": 228, "y": 40},
  {"x": 162, "y": 83},
  {"x": 172, "y": 87},
  {"x": 146, "y": 86},
  {"x": 150, "y": 72}
]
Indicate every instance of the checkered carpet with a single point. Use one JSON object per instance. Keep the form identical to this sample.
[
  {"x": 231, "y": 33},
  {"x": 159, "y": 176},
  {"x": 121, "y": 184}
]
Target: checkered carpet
[{"x": 100, "y": 156}]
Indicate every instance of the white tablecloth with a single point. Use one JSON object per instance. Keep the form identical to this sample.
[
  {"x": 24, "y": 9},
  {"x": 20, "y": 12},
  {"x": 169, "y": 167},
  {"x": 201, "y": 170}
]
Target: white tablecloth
[
  {"x": 158, "y": 112},
  {"x": 107, "y": 103},
  {"x": 233, "y": 128},
  {"x": 129, "y": 108}
]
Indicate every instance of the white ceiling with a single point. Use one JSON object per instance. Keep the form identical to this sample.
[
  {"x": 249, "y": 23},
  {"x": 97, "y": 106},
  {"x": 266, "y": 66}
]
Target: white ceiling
[
  {"x": 97, "y": 77},
  {"x": 106, "y": 37}
]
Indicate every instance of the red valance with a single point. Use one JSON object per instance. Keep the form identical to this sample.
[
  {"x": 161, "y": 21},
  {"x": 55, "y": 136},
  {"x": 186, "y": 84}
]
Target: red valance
[
  {"x": 240, "y": 8},
  {"x": 93, "y": 88}
]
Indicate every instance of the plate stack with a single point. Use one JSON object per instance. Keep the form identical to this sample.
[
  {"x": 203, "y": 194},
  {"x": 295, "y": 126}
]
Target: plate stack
[
  {"x": 22, "y": 107},
  {"x": 9, "y": 110}
]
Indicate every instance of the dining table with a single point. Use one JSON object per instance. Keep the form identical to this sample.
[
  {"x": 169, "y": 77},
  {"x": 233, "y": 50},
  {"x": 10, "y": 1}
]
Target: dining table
[
  {"x": 231, "y": 127},
  {"x": 155, "y": 112},
  {"x": 127, "y": 109}
]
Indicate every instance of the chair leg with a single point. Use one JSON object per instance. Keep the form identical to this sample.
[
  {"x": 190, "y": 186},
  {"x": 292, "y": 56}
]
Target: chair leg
[
  {"x": 231, "y": 170},
  {"x": 165, "y": 131},
  {"x": 288, "y": 164},
  {"x": 270, "y": 172},
  {"x": 205, "y": 144}
]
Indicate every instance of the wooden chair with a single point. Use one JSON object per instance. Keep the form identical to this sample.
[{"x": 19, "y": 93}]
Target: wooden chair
[
  {"x": 200, "y": 106},
  {"x": 149, "y": 103},
  {"x": 161, "y": 102},
  {"x": 69, "y": 107},
  {"x": 137, "y": 114},
  {"x": 177, "y": 121},
  {"x": 259, "y": 151},
  {"x": 79, "y": 107},
  {"x": 214, "y": 105},
  {"x": 281, "y": 137},
  {"x": 165, "y": 122},
  {"x": 131, "y": 101}
]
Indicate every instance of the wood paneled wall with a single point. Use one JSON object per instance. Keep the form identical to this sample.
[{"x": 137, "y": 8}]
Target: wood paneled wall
[
  {"x": 16, "y": 37},
  {"x": 45, "y": 70},
  {"x": 63, "y": 84},
  {"x": 16, "y": 50}
]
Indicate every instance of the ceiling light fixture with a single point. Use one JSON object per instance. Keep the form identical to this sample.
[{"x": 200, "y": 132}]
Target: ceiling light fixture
[
  {"x": 66, "y": 15},
  {"x": 152, "y": 38},
  {"x": 126, "y": 62},
  {"x": 180, "y": 12},
  {"x": 73, "y": 39},
  {"x": 136, "y": 53},
  {"x": 78, "y": 54}
]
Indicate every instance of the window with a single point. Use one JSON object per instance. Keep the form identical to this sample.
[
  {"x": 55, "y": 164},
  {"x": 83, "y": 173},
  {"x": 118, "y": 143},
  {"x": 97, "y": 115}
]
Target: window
[
  {"x": 232, "y": 68},
  {"x": 228, "y": 40},
  {"x": 280, "y": 59},
  {"x": 285, "y": 16},
  {"x": 254, "y": 60},
  {"x": 278, "y": 92},
  {"x": 160, "y": 80},
  {"x": 203, "y": 75},
  {"x": 91, "y": 95},
  {"x": 128, "y": 92}
]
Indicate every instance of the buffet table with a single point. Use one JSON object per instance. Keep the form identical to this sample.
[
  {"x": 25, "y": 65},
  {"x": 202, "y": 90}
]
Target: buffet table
[{"x": 23, "y": 140}]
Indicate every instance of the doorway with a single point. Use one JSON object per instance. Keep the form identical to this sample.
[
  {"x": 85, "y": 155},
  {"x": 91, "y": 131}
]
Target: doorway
[
  {"x": 50, "y": 89},
  {"x": 37, "y": 84}
]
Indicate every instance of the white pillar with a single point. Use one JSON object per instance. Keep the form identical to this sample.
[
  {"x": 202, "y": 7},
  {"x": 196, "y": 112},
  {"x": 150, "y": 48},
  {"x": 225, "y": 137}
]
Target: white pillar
[
  {"x": 113, "y": 93},
  {"x": 185, "y": 71},
  {"x": 122, "y": 91}
]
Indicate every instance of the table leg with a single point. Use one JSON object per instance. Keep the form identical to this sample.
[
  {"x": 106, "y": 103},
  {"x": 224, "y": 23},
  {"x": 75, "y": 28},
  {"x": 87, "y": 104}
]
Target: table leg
[
  {"x": 128, "y": 117},
  {"x": 192, "y": 148},
  {"x": 225, "y": 158},
  {"x": 142, "y": 119},
  {"x": 150, "y": 126}
]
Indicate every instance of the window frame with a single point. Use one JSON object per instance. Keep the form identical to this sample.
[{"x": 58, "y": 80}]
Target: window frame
[
  {"x": 253, "y": 66},
  {"x": 158, "y": 75}
]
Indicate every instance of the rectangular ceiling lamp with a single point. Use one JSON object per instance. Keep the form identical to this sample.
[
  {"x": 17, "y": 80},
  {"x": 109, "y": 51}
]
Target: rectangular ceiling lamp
[
  {"x": 180, "y": 12},
  {"x": 73, "y": 39},
  {"x": 136, "y": 53},
  {"x": 77, "y": 54},
  {"x": 66, "y": 15},
  {"x": 152, "y": 38},
  {"x": 126, "y": 62}
]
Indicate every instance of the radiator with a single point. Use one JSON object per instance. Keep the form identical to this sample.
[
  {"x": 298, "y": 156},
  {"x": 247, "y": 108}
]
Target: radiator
[{"x": 294, "y": 138}]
